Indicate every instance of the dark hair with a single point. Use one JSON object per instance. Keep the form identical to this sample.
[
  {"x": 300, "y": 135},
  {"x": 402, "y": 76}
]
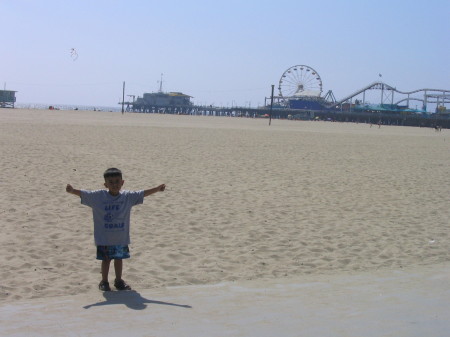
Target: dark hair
[{"x": 112, "y": 172}]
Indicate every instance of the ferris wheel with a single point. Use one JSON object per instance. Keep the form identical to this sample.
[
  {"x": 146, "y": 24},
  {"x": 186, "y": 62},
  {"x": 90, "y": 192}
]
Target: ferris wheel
[{"x": 300, "y": 81}]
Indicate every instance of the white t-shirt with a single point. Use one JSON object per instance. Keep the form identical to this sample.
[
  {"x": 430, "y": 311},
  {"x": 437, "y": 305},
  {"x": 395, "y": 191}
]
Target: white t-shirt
[{"x": 111, "y": 215}]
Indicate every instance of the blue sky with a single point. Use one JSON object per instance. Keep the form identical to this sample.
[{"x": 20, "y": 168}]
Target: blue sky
[{"x": 219, "y": 52}]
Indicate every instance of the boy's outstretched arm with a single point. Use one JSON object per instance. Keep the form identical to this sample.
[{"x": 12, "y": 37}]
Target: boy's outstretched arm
[
  {"x": 153, "y": 190},
  {"x": 71, "y": 190}
]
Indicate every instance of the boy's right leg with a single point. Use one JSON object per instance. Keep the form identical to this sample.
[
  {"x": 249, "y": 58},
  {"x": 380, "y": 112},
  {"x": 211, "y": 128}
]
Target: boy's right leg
[
  {"x": 105, "y": 269},
  {"x": 104, "y": 285}
]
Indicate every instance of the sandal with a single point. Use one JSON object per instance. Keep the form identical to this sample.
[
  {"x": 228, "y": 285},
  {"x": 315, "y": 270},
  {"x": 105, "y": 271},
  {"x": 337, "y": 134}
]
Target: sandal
[
  {"x": 121, "y": 285},
  {"x": 104, "y": 286}
]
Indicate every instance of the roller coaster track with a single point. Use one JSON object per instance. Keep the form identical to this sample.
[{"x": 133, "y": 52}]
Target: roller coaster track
[{"x": 427, "y": 93}]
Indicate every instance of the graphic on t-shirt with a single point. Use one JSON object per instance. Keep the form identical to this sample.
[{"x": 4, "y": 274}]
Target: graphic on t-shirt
[
  {"x": 108, "y": 217},
  {"x": 112, "y": 223}
]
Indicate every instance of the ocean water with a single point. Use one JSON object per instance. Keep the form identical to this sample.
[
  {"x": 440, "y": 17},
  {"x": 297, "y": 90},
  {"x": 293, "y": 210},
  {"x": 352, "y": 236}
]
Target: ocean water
[{"x": 67, "y": 107}]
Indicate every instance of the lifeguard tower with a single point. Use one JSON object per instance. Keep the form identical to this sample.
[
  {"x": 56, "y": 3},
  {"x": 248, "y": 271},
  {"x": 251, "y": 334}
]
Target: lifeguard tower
[{"x": 7, "y": 98}]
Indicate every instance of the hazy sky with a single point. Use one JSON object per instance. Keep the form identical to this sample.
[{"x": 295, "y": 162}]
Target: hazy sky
[{"x": 220, "y": 52}]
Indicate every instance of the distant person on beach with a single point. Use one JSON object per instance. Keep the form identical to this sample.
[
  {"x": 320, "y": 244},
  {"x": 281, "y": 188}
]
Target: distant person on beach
[{"x": 111, "y": 209}]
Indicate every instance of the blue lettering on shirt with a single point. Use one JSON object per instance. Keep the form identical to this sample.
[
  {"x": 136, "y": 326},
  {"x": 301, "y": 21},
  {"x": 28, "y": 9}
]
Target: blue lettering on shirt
[
  {"x": 112, "y": 207},
  {"x": 115, "y": 225}
]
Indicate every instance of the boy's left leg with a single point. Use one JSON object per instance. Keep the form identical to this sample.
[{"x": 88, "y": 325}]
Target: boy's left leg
[
  {"x": 118, "y": 282},
  {"x": 118, "y": 266}
]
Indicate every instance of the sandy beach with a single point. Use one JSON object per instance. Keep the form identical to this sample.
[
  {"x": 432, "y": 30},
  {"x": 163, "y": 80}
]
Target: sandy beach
[{"x": 244, "y": 201}]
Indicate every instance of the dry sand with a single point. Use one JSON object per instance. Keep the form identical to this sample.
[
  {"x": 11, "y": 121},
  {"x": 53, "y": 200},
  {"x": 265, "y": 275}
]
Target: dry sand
[{"x": 244, "y": 201}]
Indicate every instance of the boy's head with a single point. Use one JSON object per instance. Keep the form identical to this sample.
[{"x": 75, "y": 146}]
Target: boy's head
[
  {"x": 112, "y": 172},
  {"x": 113, "y": 180}
]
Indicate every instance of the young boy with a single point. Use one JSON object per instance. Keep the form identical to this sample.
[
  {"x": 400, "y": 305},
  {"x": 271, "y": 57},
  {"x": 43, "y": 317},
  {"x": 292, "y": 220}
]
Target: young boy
[{"x": 111, "y": 209}]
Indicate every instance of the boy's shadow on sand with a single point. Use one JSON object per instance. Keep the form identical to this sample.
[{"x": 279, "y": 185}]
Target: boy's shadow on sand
[{"x": 132, "y": 299}]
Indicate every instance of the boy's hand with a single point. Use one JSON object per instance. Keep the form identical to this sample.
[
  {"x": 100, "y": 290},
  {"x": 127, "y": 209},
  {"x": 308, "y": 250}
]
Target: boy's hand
[
  {"x": 69, "y": 188},
  {"x": 156, "y": 189}
]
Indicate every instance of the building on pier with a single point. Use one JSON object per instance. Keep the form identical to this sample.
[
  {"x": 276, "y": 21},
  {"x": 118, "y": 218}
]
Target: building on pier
[{"x": 158, "y": 100}]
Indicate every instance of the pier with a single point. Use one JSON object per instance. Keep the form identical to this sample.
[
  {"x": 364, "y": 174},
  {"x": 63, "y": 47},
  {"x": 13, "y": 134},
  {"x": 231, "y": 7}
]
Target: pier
[
  {"x": 299, "y": 98},
  {"x": 384, "y": 118}
]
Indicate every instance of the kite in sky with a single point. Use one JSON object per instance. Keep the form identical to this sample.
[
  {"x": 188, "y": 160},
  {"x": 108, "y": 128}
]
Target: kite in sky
[{"x": 73, "y": 54}]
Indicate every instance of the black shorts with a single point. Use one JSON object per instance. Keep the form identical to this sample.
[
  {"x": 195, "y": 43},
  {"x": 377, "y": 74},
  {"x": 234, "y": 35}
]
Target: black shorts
[{"x": 117, "y": 252}]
